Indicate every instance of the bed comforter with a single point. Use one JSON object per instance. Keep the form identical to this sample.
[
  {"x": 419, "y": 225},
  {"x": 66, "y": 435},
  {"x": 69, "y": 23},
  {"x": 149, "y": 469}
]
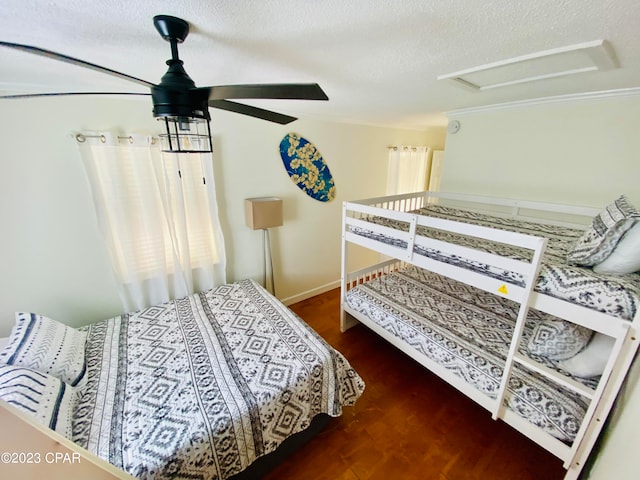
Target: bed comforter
[
  {"x": 616, "y": 295},
  {"x": 468, "y": 332},
  {"x": 202, "y": 386}
]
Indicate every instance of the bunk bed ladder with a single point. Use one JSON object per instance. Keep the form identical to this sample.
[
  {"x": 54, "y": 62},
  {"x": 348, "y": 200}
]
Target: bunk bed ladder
[
  {"x": 600, "y": 399},
  {"x": 618, "y": 363},
  {"x": 531, "y": 279}
]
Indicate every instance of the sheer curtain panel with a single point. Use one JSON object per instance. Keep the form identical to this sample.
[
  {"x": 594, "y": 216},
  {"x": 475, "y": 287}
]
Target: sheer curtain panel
[
  {"x": 408, "y": 169},
  {"x": 158, "y": 216}
]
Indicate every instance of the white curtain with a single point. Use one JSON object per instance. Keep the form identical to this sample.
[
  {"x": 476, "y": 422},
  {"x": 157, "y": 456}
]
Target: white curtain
[
  {"x": 435, "y": 175},
  {"x": 158, "y": 216},
  {"x": 408, "y": 169}
]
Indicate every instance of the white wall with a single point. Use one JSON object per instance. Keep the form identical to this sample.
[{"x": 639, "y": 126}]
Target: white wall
[
  {"x": 306, "y": 249},
  {"x": 52, "y": 259},
  {"x": 584, "y": 152},
  {"x": 579, "y": 152}
]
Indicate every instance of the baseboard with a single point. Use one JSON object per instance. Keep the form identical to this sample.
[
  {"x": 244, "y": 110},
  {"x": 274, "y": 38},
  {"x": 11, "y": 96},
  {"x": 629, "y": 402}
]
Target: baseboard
[{"x": 310, "y": 293}]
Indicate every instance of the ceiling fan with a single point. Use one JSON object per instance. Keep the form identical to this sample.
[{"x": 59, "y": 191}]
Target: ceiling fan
[{"x": 176, "y": 97}]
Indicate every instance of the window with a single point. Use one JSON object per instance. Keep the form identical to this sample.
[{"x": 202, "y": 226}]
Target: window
[
  {"x": 158, "y": 217},
  {"x": 408, "y": 169}
]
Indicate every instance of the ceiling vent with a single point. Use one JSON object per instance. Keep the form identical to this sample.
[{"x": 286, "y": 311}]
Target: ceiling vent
[{"x": 557, "y": 62}]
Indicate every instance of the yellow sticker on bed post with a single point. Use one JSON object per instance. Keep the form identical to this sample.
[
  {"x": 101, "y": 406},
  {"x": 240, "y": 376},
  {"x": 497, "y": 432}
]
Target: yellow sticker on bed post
[{"x": 503, "y": 289}]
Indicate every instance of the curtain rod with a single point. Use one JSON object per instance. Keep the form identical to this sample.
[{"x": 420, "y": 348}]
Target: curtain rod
[
  {"x": 81, "y": 138},
  {"x": 396, "y": 147}
]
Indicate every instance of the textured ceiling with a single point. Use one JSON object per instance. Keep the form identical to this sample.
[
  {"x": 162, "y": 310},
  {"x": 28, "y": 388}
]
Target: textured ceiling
[{"x": 376, "y": 59}]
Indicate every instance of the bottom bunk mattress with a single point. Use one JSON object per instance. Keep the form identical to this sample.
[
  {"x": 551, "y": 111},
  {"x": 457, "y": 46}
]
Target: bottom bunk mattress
[
  {"x": 202, "y": 386},
  {"x": 468, "y": 332}
]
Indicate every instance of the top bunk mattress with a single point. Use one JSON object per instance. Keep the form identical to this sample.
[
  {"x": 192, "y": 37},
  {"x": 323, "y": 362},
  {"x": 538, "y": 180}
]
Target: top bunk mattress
[{"x": 616, "y": 295}]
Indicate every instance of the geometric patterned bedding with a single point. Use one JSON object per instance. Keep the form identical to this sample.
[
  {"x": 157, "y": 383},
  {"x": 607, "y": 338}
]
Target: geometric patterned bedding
[
  {"x": 616, "y": 295},
  {"x": 200, "y": 387},
  {"x": 468, "y": 331}
]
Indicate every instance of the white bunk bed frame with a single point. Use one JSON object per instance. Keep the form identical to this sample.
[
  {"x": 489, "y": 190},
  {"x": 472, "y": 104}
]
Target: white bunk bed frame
[{"x": 397, "y": 207}]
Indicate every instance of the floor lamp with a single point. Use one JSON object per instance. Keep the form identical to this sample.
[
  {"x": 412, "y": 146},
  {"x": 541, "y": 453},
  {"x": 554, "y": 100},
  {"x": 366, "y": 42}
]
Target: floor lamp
[{"x": 263, "y": 213}]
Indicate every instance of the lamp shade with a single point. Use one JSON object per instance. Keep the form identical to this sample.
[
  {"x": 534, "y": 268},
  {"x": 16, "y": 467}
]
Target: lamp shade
[{"x": 263, "y": 212}]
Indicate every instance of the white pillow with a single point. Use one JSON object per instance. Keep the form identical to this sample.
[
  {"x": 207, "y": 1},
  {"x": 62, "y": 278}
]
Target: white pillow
[
  {"x": 592, "y": 360},
  {"x": 47, "y": 399},
  {"x": 43, "y": 344},
  {"x": 625, "y": 258}
]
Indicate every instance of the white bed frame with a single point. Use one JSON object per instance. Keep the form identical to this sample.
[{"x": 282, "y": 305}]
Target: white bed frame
[{"x": 397, "y": 207}]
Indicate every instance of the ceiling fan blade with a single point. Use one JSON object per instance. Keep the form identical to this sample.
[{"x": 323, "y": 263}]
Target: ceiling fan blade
[
  {"x": 66, "y": 94},
  {"x": 252, "y": 111},
  {"x": 74, "y": 61},
  {"x": 291, "y": 91}
]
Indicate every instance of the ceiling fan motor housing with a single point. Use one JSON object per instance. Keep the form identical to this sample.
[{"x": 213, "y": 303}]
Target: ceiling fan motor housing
[
  {"x": 177, "y": 96},
  {"x": 179, "y": 103}
]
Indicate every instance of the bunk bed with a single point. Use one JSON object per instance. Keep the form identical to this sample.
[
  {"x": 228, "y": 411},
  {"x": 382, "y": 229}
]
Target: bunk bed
[
  {"x": 479, "y": 291},
  {"x": 220, "y": 384}
]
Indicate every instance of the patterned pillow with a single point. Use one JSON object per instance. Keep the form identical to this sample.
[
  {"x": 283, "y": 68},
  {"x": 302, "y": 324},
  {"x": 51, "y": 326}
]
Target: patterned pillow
[
  {"x": 558, "y": 339},
  {"x": 46, "y": 398},
  {"x": 599, "y": 240},
  {"x": 625, "y": 258},
  {"x": 46, "y": 345}
]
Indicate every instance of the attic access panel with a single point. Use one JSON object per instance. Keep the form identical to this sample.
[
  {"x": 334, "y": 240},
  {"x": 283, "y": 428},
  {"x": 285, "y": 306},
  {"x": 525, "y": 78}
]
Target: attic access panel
[{"x": 584, "y": 57}]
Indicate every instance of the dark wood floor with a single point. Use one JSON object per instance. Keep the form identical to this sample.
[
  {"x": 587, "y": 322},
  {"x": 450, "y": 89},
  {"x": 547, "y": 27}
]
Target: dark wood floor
[{"x": 408, "y": 424}]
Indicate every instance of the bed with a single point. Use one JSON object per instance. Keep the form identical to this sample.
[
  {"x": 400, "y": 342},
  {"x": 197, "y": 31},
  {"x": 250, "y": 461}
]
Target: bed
[
  {"x": 206, "y": 386},
  {"x": 486, "y": 294}
]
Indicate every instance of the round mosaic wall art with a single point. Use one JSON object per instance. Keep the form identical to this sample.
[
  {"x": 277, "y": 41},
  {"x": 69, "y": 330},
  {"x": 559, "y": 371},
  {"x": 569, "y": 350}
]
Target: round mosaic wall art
[{"x": 306, "y": 167}]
